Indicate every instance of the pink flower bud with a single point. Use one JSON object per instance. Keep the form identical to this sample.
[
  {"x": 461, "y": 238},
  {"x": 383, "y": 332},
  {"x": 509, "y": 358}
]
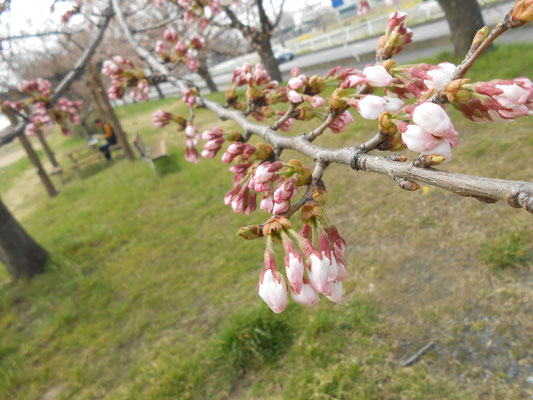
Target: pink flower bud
[
  {"x": 442, "y": 147},
  {"x": 318, "y": 274},
  {"x": 432, "y": 118},
  {"x": 306, "y": 297},
  {"x": 170, "y": 35},
  {"x": 352, "y": 81},
  {"x": 295, "y": 97},
  {"x": 192, "y": 63},
  {"x": 281, "y": 207},
  {"x": 417, "y": 139},
  {"x": 294, "y": 265},
  {"x": 377, "y": 76},
  {"x": 267, "y": 204},
  {"x": 180, "y": 48},
  {"x": 441, "y": 76},
  {"x": 371, "y": 107},
  {"x": 513, "y": 96},
  {"x": 336, "y": 292},
  {"x": 295, "y": 83},
  {"x": 197, "y": 43},
  {"x": 273, "y": 290},
  {"x": 317, "y": 101}
]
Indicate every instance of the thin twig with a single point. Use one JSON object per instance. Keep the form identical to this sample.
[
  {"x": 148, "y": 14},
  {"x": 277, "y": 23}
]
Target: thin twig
[
  {"x": 284, "y": 117},
  {"x": 373, "y": 143},
  {"x": 321, "y": 128},
  {"x": 417, "y": 355},
  {"x": 308, "y": 195}
]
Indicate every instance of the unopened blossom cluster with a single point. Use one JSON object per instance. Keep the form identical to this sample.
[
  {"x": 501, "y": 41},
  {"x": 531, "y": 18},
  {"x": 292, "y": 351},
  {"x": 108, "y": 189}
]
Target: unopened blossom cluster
[
  {"x": 314, "y": 260},
  {"x": 261, "y": 94},
  {"x": 255, "y": 172},
  {"x": 124, "y": 75},
  {"x": 39, "y": 112},
  {"x": 174, "y": 50},
  {"x": 497, "y": 101}
]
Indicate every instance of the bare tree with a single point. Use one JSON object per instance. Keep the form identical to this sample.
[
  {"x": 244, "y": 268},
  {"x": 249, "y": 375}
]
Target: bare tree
[{"x": 258, "y": 29}]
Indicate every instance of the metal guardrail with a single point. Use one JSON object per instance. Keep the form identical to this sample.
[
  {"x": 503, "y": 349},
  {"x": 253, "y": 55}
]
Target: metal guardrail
[{"x": 422, "y": 12}]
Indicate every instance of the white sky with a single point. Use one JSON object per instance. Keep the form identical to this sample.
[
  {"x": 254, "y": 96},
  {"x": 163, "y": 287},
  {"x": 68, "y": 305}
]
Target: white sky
[{"x": 31, "y": 16}]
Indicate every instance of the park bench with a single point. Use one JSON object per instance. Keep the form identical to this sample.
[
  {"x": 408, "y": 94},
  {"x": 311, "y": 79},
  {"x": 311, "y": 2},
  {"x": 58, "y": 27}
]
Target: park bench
[
  {"x": 150, "y": 154},
  {"x": 59, "y": 172}
]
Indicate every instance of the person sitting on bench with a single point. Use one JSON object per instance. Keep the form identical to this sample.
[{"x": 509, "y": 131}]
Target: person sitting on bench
[{"x": 110, "y": 137}]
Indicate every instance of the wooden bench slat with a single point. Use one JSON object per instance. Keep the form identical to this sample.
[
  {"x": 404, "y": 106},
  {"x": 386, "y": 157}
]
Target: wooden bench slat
[{"x": 159, "y": 150}]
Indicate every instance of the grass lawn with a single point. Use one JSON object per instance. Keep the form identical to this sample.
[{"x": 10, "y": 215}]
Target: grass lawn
[{"x": 149, "y": 294}]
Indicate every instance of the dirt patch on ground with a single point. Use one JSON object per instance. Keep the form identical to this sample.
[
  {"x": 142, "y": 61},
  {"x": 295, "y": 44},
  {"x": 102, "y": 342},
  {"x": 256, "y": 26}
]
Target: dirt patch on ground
[{"x": 11, "y": 153}]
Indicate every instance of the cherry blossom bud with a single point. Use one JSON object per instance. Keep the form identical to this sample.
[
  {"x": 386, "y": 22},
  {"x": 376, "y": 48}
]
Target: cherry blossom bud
[
  {"x": 281, "y": 207},
  {"x": 180, "y": 48},
  {"x": 377, "y": 76},
  {"x": 295, "y": 83},
  {"x": 442, "y": 147},
  {"x": 267, "y": 204},
  {"x": 170, "y": 35},
  {"x": 306, "y": 297},
  {"x": 417, "y": 139},
  {"x": 203, "y": 23},
  {"x": 161, "y": 48},
  {"x": 197, "y": 43},
  {"x": 440, "y": 77},
  {"x": 317, "y": 101},
  {"x": 295, "y": 97},
  {"x": 273, "y": 290},
  {"x": 432, "y": 118},
  {"x": 191, "y": 155},
  {"x": 192, "y": 63},
  {"x": 363, "y": 8},
  {"x": 336, "y": 292},
  {"x": 294, "y": 265},
  {"x": 318, "y": 274},
  {"x": 370, "y": 107},
  {"x": 352, "y": 81},
  {"x": 512, "y": 96},
  {"x": 340, "y": 123},
  {"x": 286, "y": 191}
]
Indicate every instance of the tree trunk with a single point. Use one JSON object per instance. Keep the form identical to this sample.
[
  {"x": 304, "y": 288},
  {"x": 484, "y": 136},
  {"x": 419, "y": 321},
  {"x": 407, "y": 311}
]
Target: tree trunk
[
  {"x": 21, "y": 255},
  {"x": 49, "y": 153},
  {"x": 159, "y": 91},
  {"x": 32, "y": 155},
  {"x": 85, "y": 129},
  {"x": 206, "y": 75},
  {"x": 464, "y": 19},
  {"x": 264, "y": 49},
  {"x": 104, "y": 106}
]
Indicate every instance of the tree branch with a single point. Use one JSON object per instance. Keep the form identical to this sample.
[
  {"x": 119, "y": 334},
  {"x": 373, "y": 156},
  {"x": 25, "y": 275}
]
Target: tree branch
[
  {"x": 278, "y": 18},
  {"x": 514, "y": 193}
]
